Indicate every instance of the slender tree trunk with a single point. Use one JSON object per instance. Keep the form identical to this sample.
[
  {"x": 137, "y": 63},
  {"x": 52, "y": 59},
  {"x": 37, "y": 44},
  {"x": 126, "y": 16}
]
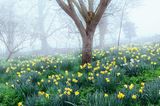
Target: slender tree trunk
[
  {"x": 87, "y": 48},
  {"x": 121, "y": 24},
  {"x": 101, "y": 39},
  {"x": 10, "y": 44},
  {"x": 9, "y": 56}
]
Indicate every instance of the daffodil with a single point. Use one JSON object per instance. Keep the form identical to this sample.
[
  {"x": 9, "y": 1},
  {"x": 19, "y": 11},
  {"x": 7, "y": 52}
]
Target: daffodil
[
  {"x": 118, "y": 74},
  {"x": 74, "y": 80},
  {"x": 20, "y": 104},
  {"x": 134, "y": 96},
  {"x": 79, "y": 74},
  {"x": 56, "y": 83},
  {"x": 131, "y": 86},
  {"x": 76, "y": 93},
  {"x": 105, "y": 95},
  {"x": 41, "y": 93},
  {"x": 120, "y": 95},
  {"x": 126, "y": 86},
  {"x": 46, "y": 95},
  {"x": 38, "y": 83},
  {"x": 140, "y": 90},
  {"x": 42, "y": 80},
  {"x": 107, "y": 80},
  {"x": 49, "y": 81},
  {"x": 66, "y": 72},
  {"x": 142, "y": 84},
  {"x": 28, "y": 69}
]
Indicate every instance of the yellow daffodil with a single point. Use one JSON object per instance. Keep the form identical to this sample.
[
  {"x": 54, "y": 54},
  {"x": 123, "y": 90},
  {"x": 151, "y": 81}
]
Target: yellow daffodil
[
  {"x": 42, "y": 80},
  {"x": 66, "y": 72},
  {"x": 20, "y": 104},
  {"x": 107, "y": 80},
  {"x": 105, "y": 95},
  {"x": 56, "y": 83},
  {"x": 46, "y": 95},
  {"x": 79, "y": 74},
  {"x": 131, "y": 86},
  {"x": 38, "y": 83},
  {"x": 134, "y": 96},
  {"x": 97, "y": 74},
  {"x": 140, "y": 90},
  {"x": 41, "y": 93},
  {"x": 120, "y": 95},
  {"x": 142, "y": 84},
  {"x": 76, "y": 93},
  {"x": 74, "y": 80}
]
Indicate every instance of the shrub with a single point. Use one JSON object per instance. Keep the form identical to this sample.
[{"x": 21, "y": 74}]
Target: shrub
[{"x": 8, "y": 96}]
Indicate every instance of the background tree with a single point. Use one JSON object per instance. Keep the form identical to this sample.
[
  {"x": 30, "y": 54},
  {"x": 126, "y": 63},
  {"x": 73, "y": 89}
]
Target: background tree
[
  {"x": 87, "y": 24},
  {"x": 129, "y": 30},
  {"x": 43, "y": 24},
  {"x": 13, "y": 32},
  {"x": 105, "y": 24}
]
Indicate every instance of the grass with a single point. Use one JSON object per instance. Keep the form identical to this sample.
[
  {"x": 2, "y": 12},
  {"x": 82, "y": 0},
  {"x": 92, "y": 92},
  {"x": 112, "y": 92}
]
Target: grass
[{"x": 114, "y": 78}]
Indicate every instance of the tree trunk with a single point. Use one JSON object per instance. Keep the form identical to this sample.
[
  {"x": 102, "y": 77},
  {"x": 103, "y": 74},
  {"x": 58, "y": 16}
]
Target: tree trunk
[
  {"x": 9, "y": 56},
  {"x": 10, "y": 44},
  {"x": 102, "y": 31},
  {"x": 87, "y": 48},
  {"x": 101, "y": 39},
  {"x": 44, "y": 45}
]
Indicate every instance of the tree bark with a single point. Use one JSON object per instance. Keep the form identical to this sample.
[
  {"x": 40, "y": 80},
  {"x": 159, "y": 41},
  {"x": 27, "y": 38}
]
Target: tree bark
[{"x": 87, "y": 48}]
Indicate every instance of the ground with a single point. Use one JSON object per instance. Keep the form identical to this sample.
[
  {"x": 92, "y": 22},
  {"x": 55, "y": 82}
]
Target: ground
[{"x": 126, "y": 77}]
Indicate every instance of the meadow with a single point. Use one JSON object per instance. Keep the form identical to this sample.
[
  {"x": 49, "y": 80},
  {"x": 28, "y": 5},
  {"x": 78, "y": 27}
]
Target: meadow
[{"x": 129, "y": 76}]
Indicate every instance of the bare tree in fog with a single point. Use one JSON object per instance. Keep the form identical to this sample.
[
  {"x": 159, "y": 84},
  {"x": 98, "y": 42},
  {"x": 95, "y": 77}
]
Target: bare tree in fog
[
  {"x": 113, "y": 9},
  {"x": 43, "y": 31},
  {"x": 12, "y": 33},
  {"x": 129, "y": 30},
  {"x": 127, "y": 4},
  {"x": 88, "y": 24}
]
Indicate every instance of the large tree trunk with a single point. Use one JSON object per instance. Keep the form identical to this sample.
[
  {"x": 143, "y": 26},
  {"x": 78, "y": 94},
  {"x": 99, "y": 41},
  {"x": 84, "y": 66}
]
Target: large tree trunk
[
  {"x": 87, "y": 48},
  {"x": 91, "y": 19},
  {"x": 44, "y": 45}
]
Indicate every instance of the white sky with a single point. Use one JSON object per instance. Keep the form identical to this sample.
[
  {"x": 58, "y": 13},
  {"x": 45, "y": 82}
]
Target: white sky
[{"x": 147, "y": 18}]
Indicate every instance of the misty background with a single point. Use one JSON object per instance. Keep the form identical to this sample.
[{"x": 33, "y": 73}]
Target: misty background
[{"x": 40, "y": 27}]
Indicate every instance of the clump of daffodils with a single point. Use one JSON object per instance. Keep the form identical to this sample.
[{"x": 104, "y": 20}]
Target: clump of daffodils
[
  {"x": 120, "y": 95},
  {"x": 42, "y": 93},
  {"x": 68, "y": 91}
]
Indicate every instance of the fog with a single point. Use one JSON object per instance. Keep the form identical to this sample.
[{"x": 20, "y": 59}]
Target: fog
[
  {"x": 146, "y": 17},
  {"x": 41, "y": 27}
]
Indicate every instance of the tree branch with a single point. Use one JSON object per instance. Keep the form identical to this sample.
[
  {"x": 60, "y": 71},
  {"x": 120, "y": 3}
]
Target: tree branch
[{"x": 69, "y": 9}]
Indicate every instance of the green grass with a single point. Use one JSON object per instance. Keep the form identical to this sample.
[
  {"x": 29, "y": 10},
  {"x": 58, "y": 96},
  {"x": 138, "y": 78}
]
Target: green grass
[{"x": 30, "y": 79}]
